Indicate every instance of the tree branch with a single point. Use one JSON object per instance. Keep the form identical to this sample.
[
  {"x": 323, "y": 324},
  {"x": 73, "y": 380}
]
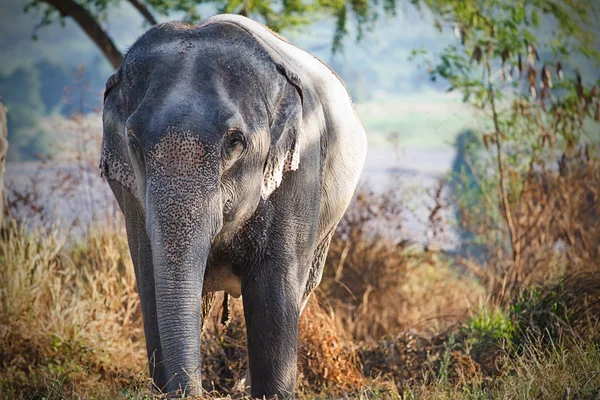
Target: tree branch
[
  {"x": 69, "y": 8},
  {"x": 514, "y": 237},
  {"x": 144, "y": 11}
]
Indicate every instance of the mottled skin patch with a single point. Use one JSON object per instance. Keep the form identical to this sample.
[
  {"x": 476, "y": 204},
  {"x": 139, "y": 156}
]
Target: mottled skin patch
[
  {"x": 174, "y": 177},
  {"x": 233, "y": 156},
  {"x": 176, "y": 149},
  {"x": 117, "y": 169}
]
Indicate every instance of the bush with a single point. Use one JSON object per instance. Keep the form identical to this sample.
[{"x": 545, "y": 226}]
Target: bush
[{"x": 375, "y": 284}]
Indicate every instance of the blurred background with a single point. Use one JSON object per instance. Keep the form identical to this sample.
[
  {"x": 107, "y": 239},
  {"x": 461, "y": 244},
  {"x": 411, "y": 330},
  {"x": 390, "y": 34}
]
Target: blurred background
[
  {"x": 467, "y": 265},
  {"x": 52, "y": 71}
]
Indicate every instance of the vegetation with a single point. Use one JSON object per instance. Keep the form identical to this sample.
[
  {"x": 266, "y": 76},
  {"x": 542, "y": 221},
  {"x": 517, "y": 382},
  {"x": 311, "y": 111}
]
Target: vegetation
[
  {"x": 536, "y": 140},
  {"x": 35, "y": 92},
  {"x": 37, "y": 77},
  {"x": 409, "y": 325}
]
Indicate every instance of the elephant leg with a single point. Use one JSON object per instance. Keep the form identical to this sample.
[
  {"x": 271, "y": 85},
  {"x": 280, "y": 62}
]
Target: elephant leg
[
  {"x": 271, "y": 309},
  {"x": 140, "y": 246},
  {"x": 141, "y": 255}
]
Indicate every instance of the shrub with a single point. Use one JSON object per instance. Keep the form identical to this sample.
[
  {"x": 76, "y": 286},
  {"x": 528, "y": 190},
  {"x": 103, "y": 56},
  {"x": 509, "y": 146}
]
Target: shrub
[{"x": 377, "y": 284}]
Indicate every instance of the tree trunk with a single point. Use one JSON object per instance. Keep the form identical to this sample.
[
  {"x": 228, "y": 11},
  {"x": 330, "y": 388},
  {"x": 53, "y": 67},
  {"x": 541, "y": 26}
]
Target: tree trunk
[
  {"x": 3, "y": 151},
  {"x": 69, "y": 8}
]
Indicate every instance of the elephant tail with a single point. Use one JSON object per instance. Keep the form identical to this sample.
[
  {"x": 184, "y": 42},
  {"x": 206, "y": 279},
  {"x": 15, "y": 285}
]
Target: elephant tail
[{"x": 225, "y": 316}]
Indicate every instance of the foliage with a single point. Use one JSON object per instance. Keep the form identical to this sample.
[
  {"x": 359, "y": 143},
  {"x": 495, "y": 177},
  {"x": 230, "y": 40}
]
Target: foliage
[
  {"x": 572, "y": 305},
  {"x": 72, "y": 326},
  {"x": 371, "y": 273},
  {"x": 66, "y": 312},
  {"x": 277, "y": 15},
  {"x": 491, "y": 324},
  {"x": 465, "y": 186},
  {"x": 53, "y": 78}
]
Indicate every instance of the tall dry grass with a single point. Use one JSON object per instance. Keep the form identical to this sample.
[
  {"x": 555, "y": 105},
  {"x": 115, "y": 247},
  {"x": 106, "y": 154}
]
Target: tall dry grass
[
  {"x": 557, "y": 215},
  {"x": 70, "y": 314},
  {"x": 376, "y": 284},
  {"x": 71, "y": 326}
]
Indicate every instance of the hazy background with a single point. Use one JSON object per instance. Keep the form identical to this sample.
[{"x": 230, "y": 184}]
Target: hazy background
[
  {"x": 392, "y": 94},
  {"x": 48, "y": 74}
]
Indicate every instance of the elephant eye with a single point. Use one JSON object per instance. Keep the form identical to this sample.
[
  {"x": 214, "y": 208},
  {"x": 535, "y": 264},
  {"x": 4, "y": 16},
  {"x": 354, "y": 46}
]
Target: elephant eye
[{"x": 235, "y": 144}]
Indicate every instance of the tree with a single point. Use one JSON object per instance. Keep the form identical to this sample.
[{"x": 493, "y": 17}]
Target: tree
[
  {"x": 3, "y": 151},
  {"x": 537, "y": 117},
  {"x": 277, "y": 15},
  {"x": 465, "y": 187}
]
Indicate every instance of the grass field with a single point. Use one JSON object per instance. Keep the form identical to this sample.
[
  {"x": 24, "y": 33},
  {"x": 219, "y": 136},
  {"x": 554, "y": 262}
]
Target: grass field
[{"x": 388, "y": 321}]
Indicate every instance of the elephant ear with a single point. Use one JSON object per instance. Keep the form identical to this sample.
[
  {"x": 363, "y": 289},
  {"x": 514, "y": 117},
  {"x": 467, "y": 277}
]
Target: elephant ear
[
  {"x": 284, "y": 153},
  {"x": 115, "y": 164}
]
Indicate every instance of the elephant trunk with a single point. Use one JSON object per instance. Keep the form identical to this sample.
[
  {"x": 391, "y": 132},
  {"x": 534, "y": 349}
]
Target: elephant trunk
[{"x": 182, "y": 224}]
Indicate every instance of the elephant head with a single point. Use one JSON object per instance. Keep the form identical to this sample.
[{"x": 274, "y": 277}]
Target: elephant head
[{"x": 200, "y": 124}]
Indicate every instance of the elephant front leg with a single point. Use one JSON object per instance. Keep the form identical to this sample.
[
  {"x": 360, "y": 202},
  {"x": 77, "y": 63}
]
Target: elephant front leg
[
  {"x": 141, "y": 255},
  {"x": 272, "y": 309}
]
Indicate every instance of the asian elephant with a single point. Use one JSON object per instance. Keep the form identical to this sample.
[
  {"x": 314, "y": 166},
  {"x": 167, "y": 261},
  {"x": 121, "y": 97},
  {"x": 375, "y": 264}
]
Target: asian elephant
[{"x": 233, "y": 155}]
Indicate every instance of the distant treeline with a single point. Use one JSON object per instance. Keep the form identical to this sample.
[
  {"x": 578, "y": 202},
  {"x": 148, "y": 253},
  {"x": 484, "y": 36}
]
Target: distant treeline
[{"x": 33, "y": 92}]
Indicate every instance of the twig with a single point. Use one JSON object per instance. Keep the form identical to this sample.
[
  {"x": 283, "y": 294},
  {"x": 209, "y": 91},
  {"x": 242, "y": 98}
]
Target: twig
[{"x": 516, "y": 247}]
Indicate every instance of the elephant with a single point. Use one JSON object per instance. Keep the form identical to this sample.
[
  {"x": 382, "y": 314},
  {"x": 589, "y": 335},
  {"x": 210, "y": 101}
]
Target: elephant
[{"x": 233, "y": 155}]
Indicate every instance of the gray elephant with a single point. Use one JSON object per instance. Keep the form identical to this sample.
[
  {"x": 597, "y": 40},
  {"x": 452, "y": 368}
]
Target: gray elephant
[{"x": 233, "y": 155}]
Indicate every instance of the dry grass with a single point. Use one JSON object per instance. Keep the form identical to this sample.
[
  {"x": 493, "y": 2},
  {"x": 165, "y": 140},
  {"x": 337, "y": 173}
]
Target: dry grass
[
  {"x": 69, "y": 315},
  {"x": 388, "y": 321},
  {"x": 555, "y": 206},
  {"x": 327, "y": 360},
  {"x": 375, "y": 284},
  {"x": 71, "y": 326},
  {"x": 552, "y": 372}
]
